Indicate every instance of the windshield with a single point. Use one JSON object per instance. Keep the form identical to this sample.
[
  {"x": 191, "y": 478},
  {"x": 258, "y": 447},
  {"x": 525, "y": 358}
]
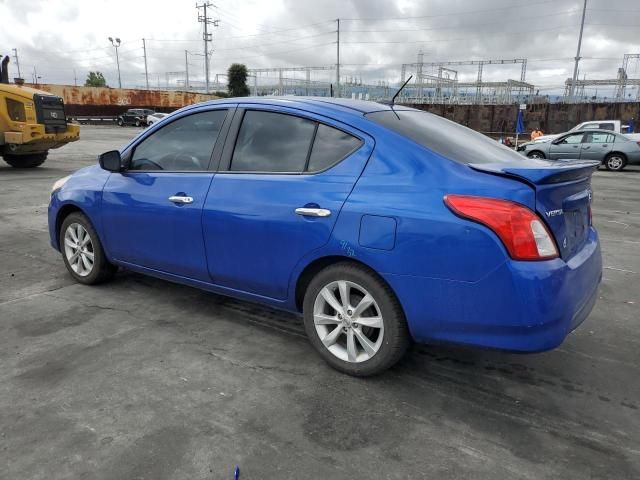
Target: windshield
[{"x": 445, "y": 137}]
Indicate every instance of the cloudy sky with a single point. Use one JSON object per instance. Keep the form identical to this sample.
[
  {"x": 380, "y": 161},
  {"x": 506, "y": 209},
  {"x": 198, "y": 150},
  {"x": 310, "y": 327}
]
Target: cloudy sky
[{"x": 67, "y": 38}]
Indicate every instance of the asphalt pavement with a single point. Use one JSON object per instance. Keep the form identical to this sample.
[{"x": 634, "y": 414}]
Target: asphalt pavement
[{"x": 144, "y": 379}]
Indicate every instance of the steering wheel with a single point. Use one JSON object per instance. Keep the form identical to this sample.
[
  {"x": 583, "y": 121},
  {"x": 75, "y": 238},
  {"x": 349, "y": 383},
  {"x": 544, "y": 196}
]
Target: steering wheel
[{"x": 145, "y": 163}]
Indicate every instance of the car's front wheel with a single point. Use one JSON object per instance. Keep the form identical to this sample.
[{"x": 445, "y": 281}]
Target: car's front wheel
[
  {"x": 354, "y": 320},
  {"x": 536, "y": 154},
  {"x": 82, "y": 251},
  {"x": 615, "y": 162}
]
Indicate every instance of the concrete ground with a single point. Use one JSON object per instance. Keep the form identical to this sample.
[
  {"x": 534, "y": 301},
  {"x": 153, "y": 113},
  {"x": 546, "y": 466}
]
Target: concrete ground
[{"x": 144, "y": 379}]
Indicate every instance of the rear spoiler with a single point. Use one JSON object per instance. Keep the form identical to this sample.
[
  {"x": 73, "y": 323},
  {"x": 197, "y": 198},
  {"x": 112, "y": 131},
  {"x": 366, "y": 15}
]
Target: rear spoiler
[{"x": 540, "y": 172}]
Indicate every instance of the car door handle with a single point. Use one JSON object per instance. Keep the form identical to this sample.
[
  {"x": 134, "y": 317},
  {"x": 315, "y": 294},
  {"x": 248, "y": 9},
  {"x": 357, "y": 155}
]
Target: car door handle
[
  {"x": 586, "y": 148},
  {"x": 313, "y": 212},
  {"x": 180, "y": 199}
]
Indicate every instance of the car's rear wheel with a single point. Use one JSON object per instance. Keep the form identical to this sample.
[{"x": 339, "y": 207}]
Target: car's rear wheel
[
  {"x": 615, "y": 162},
  {"x": 536, "y": 154},
  {"x": 25, "y": 161},
  {"x": 354, "y": 320},
  {"x": 82, "y": 251},
  {"x": 120, "y": 122},
  {"x": 138, "y": 123}
]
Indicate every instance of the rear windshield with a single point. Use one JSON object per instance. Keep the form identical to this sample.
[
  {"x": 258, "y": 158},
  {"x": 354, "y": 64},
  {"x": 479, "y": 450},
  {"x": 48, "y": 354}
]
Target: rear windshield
[{"x": 445, "y": 137}]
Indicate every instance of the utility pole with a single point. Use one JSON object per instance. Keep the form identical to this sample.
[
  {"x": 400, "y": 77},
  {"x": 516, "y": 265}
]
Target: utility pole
[
  {"x": 575, "y": 67},
  {"x": 186, "y": 70},
  {"x": 15, "y": 55},
  {"x": 75, "y": 78},
  {"x": 116, "y": 44},
  {"x": 338, "y": 58},
  {"x": 206, "y": 37},
  {"x": 146, "y": 72}
]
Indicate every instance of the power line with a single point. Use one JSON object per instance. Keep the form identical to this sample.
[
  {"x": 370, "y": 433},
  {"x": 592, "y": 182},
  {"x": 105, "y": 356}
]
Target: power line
[{"x": 465, "y": 12}]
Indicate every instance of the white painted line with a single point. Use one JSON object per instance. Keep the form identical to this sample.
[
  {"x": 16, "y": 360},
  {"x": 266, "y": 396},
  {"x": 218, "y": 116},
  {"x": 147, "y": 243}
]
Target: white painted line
[
  {"x": 626, "y": 225},
  {"x": 620, "y": 270}
]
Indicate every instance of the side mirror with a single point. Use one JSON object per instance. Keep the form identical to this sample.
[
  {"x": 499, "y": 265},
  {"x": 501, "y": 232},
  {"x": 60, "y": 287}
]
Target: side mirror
[{"x": 111, "y": 161}]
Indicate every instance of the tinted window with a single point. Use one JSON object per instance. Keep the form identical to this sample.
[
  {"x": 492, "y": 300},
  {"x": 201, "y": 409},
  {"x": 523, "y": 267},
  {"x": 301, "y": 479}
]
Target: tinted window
[
  {"x": 606, "y": 126},
  {"x": 272, "y": 142},
  {"x": 445, "y": 137},
  {"x": 571, "y": 139},
  {"x": 185, "y": 144},
  {"x": 329, "y": 147}
]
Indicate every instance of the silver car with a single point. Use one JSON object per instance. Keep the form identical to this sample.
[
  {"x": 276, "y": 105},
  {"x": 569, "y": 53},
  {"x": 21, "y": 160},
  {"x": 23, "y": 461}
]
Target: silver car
[{"x": 614, "y": 150}]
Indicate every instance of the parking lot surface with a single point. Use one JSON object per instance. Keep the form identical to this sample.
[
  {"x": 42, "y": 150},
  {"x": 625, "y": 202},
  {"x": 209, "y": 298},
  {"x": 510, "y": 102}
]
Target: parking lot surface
[{"x": 143, "y": 379}]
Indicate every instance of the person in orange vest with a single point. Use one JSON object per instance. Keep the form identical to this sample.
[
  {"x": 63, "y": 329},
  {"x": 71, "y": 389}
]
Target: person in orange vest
[{"x": 536, "y": 133}]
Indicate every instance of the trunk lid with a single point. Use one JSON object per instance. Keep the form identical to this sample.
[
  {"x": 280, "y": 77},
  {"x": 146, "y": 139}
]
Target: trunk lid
[{"x": 563, "y": 195}]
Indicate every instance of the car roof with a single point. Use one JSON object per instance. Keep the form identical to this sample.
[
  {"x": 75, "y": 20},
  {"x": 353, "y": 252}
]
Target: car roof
[{"x": 315, "y": 104}]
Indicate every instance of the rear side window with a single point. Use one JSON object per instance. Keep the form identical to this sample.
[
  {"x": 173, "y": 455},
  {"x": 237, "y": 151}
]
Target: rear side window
[
  {"x": 599, "y": 137},
  {"x": 185, "y": 144},
  {"x": 272, "y": 142},
  {"x": 329, "y": 147},
  {"x": 445, "y": 137},
  {"x": 606, "y": 126}
]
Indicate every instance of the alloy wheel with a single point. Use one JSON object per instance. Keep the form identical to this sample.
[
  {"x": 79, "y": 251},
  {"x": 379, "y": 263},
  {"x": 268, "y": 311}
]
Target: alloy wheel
[
  {"x": 614, "y": 163},
  {"x": 348, "y": 321},
  {"x": 78, "y": 249}
]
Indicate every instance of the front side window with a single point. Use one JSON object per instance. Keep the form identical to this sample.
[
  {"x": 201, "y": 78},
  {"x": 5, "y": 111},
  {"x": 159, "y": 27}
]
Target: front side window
[
  {"x": 329, "y": 147},
  {"x": 185, "y": 144},
  {"x": 272, "y": 142},
  {"x": 571, "y": 139}
]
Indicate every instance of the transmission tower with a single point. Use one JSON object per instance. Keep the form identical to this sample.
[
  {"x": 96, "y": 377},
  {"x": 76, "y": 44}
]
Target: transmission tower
[{"x": 206, "y": 36}]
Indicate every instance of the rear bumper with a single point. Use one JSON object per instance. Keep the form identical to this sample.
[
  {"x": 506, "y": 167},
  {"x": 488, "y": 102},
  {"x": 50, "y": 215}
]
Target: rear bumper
[{"x": 520, "y": 306}]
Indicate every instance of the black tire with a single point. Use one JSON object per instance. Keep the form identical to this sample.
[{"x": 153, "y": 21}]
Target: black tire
[
  {"x": 615, "y": 162},
  {"x": 536, "y": 154},
  {"x": 138, "y": 123},
  {"x": 102, "y": 270},
  {"x": 120, "y": 122},
  {"x": 395, "y": 339},
  {"x": 25, "y": 161}
]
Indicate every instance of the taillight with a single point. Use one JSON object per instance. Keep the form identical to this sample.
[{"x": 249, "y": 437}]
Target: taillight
[{"x": 522, "y": 232}]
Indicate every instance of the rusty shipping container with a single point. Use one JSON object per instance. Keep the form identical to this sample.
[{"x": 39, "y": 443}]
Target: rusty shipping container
[
  {"x": 114, "y": 101},
  {"x": 500, "y": 120}
]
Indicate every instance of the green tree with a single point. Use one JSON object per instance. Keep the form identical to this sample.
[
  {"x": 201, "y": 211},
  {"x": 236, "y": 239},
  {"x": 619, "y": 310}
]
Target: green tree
[
  {"x": 237, "y": 80},
  {"x": 95, "y": 79}
]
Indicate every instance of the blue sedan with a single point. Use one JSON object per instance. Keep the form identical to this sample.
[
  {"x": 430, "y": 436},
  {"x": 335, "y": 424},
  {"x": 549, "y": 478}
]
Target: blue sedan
[{"x": 379, "y": 224}]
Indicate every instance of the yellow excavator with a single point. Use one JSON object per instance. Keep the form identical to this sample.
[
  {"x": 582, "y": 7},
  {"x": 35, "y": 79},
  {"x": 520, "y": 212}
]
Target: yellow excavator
[{"x": 32, "y": 122}]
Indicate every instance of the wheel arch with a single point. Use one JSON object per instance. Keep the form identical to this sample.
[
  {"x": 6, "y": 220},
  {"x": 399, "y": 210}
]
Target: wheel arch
[
  {"x": 314, "y": 267},
  {"x": 615, "y": 152},
  {"x": 64, "y": 212}
]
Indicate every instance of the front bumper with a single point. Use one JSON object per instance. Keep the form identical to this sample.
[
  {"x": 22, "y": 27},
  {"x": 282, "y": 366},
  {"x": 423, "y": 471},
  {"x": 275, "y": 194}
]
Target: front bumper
[
  {"x": 520, "y": 306},
  {"x": 32, "y": 138}
]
